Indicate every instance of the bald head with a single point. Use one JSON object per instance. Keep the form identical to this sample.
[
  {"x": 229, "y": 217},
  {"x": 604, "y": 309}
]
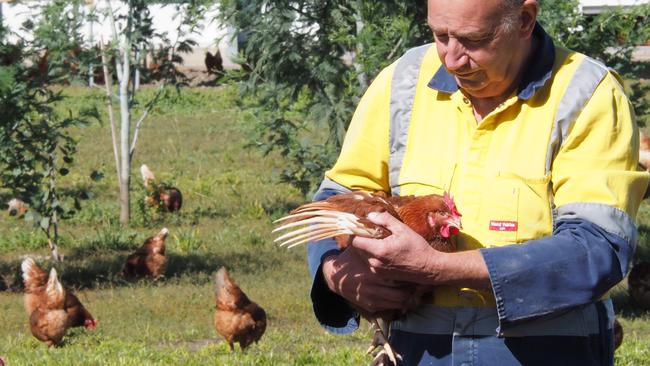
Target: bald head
[{"x": 483, "y": 43}]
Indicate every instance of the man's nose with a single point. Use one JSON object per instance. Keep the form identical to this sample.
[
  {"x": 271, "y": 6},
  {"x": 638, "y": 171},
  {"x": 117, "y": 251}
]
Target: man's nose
[{"x": 455, "y": 58}]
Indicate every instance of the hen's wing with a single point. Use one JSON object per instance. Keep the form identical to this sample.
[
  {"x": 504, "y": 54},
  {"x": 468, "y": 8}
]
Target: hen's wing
[{"x": 338, "y": 216}]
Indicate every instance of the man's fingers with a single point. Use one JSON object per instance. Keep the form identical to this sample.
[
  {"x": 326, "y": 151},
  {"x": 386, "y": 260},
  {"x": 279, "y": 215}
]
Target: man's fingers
[
  {"x": 382, "y": 298},
  {"x": 384, "y": 219},
  {"x": 366, "y": 245}
]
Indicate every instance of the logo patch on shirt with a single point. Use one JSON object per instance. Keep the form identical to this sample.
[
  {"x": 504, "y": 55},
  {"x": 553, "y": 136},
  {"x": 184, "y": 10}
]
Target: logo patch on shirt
[{"x": 498, "y": 225}]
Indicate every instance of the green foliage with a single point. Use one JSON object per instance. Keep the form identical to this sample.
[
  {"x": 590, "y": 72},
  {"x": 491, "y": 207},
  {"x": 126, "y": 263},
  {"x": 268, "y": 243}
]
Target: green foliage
[
  {"x": 36, "y": 147},
  {"x": 56, "y": 29},
  {"x": 310, "y": 70},
  {"x": 610, "y": 37}
]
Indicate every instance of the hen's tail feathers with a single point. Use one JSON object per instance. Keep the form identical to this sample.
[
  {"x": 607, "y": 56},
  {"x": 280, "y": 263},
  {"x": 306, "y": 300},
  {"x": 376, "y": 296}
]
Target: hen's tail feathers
[
  {"x": 33, "y": 275},
  {"x": 54, "y": 290},
  {"x": 163, "y": 233},
  {"x": 309, "y": 224},
  {"x": 147, "y": 175},
  {"x": 228, "y": 293}
]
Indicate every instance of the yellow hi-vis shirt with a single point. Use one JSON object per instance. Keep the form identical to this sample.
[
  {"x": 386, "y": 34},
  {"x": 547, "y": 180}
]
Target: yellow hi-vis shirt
[{"x": 509, "y": 173}]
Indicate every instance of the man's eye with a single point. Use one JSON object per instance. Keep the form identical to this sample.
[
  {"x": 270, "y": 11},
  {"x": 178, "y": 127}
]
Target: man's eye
[
  {"x": 473, "y": 43},
  {"x": 441, "y": 37}
]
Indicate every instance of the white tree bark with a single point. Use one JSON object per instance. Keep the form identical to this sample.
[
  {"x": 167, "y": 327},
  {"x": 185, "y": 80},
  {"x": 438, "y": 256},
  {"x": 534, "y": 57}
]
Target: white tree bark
[{"x": 125, "y": 133}]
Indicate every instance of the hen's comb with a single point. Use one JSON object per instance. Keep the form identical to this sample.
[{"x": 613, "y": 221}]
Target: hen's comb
[{"x": 450, "y": 203}]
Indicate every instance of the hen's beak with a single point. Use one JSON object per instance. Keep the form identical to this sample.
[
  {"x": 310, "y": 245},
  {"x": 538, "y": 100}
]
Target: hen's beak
[{"x": 454, "y": 221}]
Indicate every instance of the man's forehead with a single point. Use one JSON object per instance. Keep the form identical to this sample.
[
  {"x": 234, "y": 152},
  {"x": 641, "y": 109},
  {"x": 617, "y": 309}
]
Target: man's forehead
[{"x": 464, "y": 16}]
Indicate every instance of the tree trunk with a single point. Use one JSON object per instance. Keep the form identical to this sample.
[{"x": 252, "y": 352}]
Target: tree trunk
[
  {"x": 56, "y": 257},
  {"x": 358, "y": 20},
  {"x": 125, "y": 132}
]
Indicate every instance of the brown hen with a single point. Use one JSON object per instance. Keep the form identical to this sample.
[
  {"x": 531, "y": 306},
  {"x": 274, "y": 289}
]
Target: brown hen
[
  {"x": 149, "y": 260},
  {"x": 342, "y": 216},
  {"x": 51, "y": 308},
  {"x": 237, "y": 318},
  {"x": 160, "y": 194},
  {"x": 213, "y": 63}
]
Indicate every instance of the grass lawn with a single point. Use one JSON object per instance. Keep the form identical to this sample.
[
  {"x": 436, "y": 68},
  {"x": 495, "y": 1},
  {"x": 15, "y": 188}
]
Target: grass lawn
[{"x": 197, "y": 141}]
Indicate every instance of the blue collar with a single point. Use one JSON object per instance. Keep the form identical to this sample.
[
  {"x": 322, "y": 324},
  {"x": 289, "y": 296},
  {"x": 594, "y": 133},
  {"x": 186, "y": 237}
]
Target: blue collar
[{"x": 538, "y": 72}]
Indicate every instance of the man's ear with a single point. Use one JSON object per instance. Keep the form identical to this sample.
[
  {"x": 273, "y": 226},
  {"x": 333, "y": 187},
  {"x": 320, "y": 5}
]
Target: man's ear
[{"x": 528, "y": 17}]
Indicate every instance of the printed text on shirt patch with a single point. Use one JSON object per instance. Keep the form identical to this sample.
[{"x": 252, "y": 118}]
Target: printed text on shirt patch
[{"x": 498, "y": 225}]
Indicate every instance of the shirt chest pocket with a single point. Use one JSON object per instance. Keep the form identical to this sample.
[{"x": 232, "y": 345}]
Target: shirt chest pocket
[
  {"x": 435, "y": 179},
  {"x": 515, "y": 209}
]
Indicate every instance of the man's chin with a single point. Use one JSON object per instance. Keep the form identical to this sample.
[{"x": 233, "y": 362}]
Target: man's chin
[
  {"x": 470, "y": 85},
  {"x": 476, "y": 89}
]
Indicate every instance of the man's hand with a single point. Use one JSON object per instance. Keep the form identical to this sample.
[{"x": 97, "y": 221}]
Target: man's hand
[
  {"x": 405, "y": 256},
  {"x": 348, "y": 275},
  {"x": 402, "y": 256}
]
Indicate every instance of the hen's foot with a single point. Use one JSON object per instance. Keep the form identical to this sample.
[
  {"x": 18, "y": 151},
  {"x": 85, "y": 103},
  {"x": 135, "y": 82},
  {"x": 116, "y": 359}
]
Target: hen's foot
[
  {"x": 386, "y": 356},
  {"x": 383, "y": 357}
]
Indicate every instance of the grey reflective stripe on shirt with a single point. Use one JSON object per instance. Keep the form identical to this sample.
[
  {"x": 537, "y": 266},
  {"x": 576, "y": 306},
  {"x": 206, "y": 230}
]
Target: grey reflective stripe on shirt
[
  {"x": 402, "y": 94},
  {"x": 609, "y": 218},
  {"x": 330, "y": 184},
  {"x": 467, "y": 321},
  {"x": 584, "y": 82}
]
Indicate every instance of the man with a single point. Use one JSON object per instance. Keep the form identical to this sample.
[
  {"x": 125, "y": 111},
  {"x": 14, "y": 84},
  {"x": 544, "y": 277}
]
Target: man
[{"x": 538, "y": 147}]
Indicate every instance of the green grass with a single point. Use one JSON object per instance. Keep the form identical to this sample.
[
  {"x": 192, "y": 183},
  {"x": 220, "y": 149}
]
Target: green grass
[{"x": 197, "y": 141}]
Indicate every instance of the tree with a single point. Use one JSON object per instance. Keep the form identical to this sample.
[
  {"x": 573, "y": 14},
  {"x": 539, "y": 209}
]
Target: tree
[
  {"x": 132, "y": 32},
  {"x": 312, "y": 60},
  {"x": 610, "y": 37},
  {"x": 309, "y": 70},
  {"x": 35, "y": 144}
]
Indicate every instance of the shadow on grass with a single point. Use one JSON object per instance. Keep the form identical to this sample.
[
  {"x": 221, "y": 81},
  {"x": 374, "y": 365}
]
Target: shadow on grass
[
  {"x": 101, "y": 269},
  {"x": 151, "y": 218}
]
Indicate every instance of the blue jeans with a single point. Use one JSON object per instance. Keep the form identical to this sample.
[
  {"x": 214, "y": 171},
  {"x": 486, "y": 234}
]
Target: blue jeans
[{"x": 464, "y": 347}]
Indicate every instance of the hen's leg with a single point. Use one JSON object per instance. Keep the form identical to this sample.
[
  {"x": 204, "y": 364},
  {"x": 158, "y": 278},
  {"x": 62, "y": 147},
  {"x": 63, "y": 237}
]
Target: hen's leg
[{"x": 386, "y": 356}]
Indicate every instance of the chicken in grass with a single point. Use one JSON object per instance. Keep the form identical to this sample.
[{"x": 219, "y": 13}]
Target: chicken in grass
[
  {"x": 51, "y": 308},
  {"x": 237, "y": 319},
  {"x": 213, "y": 63},
  {"x": 160, "y": 194},
  {"x": 343, "y": 216},
  {"x": 149, "y": 260},
  {"x": 17, "y": 207}
]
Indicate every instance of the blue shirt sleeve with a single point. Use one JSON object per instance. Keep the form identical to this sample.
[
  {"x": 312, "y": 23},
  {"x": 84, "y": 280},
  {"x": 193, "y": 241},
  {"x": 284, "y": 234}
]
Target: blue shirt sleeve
[
  {"x": 331, "y": 310},
  {"x": 577, "y": 265}
]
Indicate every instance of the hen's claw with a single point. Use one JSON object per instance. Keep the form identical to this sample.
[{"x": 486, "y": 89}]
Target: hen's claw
[
  {"x": 386, "y": 356},
  {"x": 384, "y": 359}
]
